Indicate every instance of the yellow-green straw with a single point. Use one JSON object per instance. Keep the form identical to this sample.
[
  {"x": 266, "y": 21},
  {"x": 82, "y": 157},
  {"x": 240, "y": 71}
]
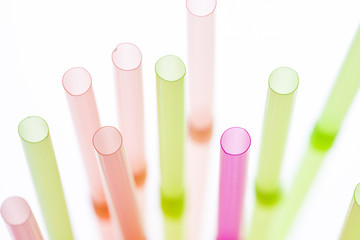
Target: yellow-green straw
[
  {"x": 170, "y": 74},
  {"x": 37, "y": 145},
  {"x": 351, "y": 228},
  {"x": 283, "y": 84},
  {"x": 322, "y": 137}
]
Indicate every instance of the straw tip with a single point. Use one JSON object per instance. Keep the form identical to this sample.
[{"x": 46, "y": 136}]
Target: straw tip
[
  {"x": 357, "y": 194},
  {"x": 33, "y": 129},
  {"x": 15, "y": 211},
  {"x": 107, "y": 140},
  {"x": 235, "y": 141},
  {"x": 170, "y": 68},
  {"x": 126, "y": 57},
  {"x": 76, "y": 81},
  {"x": 284, "y": 80}
]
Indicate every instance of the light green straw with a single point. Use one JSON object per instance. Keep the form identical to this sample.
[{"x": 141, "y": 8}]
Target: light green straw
[
  {"x": 174, "y": 228},
  {"x": 36, "y": 141},
  {"x": 322, "y": 137},
  {"x": 170, "y": 74},
  {"x": 351, "y": 228},
  {"x": 283, "y": 84}
]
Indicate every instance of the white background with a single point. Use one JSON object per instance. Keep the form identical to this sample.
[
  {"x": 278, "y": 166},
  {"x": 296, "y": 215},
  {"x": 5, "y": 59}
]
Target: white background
[{"x": 40, "y": 40}]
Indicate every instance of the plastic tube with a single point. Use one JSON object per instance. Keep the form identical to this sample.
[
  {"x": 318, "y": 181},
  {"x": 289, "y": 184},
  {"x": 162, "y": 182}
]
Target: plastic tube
[
  {"x": 235, "y": 143},
  {"x": 37, "y": 145},
  {"x": 119, "y": 181},
  {"x": 127, "y": 59},
  {"x": 20, "y": 220},
  {"x": 322, "y": 137},
  {"x": 340, "y": 99},
  {"x": 197, "y": 164},
  {"x": 201, "y": 51},
  {"x": 283, "y": 84},
  {"x": 174, "y": 228},
  {"x": 77, "y": 83},
  {"x": 170, "y": 74},
  {"x": 351, "y": 228}
]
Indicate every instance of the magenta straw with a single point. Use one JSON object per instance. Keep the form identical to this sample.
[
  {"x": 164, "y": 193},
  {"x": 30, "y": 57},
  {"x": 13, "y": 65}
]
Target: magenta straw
[
  {"x": 20, "y": 220},
  {"x": 235, "y": 143},
  {"x": 129, "y": 92},
  {"x": 77, "y": 83},
  {"x": 201, "y": 51}
]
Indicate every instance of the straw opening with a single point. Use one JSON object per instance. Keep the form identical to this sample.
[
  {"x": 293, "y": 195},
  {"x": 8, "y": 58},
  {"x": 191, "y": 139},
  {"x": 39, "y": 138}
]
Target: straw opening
[
  {"x": 170, "y": 68},
  {"x": 76, "y": 81},
  {"x": 201, "y": 8},
  {"x": 15, "y": 211},
  {"x": 107, "y": 140},
  {"x": 235, "y": 141},
  {"x": 33, "y": 129},
  {"x": 357, "y": 194},
  {"x": 126, "y": 56},
  {"x": 284, "y": 80}
]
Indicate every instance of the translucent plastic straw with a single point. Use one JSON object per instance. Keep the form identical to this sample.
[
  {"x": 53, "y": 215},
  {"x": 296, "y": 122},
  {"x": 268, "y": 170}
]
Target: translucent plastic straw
[
  {"x": 170, "y": 74},
  {"x": 77, "y": 83},
  {"x": 235, "y": 143},
  {"x": 20, "y": 220},
  {"x": 126, "y": 59},
  {"x": 351, "y": 228},
  {"x": 120, "y": 183},
  {"x": 322, "y": 137},
  {"x": 340, "y": 99},
  {"x": 37, "y": 145},
  {"x": 201, "y": 48},
  {"x": 283, "y": 84}
]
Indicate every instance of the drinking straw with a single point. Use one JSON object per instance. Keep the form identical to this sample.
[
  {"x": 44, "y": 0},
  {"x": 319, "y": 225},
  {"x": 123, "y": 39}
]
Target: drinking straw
[
  {"x": 127, "y": 59},
  {"x": 351, "y": 228},
  {"x": 77, "y": 83},
  {"x": 197, "y": 163},
  {"x": 174, "y": 227},
  {"x": 201, "y": 51},
  {"x": 120, "y": 184},
  {"x": 38, "y": 149},
  {"x": 283, "y": 83},
  {"x": 170, "y": 74},
  {"x": 235, "y": 143},
  {"x": 322, "y": 137},
  {"x": 20, "y": 220}
]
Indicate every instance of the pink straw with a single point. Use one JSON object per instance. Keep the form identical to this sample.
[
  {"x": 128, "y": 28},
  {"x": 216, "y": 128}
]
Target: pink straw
[
  {"x": 129, "y": 91},
  {"x": 20, "y": 220},
  {"x": 120, "y": 184},
  {"x": 201, "y": 48},
  {"x": 77, "y": 83},
  {"x": 235, "y": 143}
]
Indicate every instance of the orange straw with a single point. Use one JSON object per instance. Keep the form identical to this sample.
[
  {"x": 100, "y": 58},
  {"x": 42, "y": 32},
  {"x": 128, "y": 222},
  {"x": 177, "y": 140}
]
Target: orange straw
[{"x": 120, "y": 185}]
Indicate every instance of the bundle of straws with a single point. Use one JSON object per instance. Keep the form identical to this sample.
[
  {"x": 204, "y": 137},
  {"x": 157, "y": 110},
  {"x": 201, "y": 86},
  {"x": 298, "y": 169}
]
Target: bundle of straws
[{"x": 115, "y": 159}]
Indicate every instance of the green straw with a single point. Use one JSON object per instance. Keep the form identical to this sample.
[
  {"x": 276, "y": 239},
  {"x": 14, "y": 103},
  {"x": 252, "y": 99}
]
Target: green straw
[
  {"x": 322, "y": 137},
  {"x": 283, "y": 84},
  {"x": 174, "y": 228},
  {"x": 170, "y": 74},
  {"x": 351, "y": 228},
  {"x": 37, "y": 145}
]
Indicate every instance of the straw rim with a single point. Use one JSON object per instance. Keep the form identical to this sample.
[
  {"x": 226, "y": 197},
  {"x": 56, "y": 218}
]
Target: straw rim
[
  {"x": 238, "y": 154},
  {"x": 123, "y": 69},
  {"x": 84, "y": 92},
  {"x": 107, "y": 154},
  {"x": 24, "y": 218},
  {"x": 33, "y": 142},
  {"x": 179, "y": 62},
  {"x": 277, "y": 92},
  {"x": 357, "y": 194},
  {"x": 201, "y": 16}
]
